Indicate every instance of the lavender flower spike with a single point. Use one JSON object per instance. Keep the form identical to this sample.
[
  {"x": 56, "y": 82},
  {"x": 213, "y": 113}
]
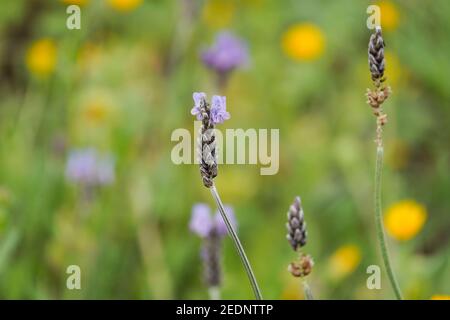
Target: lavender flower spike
[
  {"x": 219, "y": 109},
  {"x": 196, "y": 111}
]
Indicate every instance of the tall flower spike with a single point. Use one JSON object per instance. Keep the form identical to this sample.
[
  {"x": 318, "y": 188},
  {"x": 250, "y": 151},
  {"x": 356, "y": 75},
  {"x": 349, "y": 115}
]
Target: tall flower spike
[
  {"x": 207, "y": 157},
  {"x": 206, "y": 149},
  {"x": 376, "y": 98},
  {"x": 296, "y": 225},
  {"x": 377, "y": 64}
]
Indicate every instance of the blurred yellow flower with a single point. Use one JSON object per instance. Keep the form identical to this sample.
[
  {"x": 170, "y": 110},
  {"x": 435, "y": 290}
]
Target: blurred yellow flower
[
  {"x": 77, "y": 2},
  {"x": 440, "y": 297},
  {"x": 41, "y": 57},
  {"x": 405, "y": 219},
  {"x": 389, "y": 15},
  {"x": 96, "y": 111},
  {"x": 344, "y": 260},
  {"x": 218, "y": 13},
  {"x": 303, "y": 41},
  {"x": 124, "y": 5}
]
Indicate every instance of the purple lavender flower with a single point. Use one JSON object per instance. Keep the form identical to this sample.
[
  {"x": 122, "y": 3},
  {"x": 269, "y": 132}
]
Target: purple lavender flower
[
  {"x": 86, "y": 167},
  {"x": 219, "y": 109},
  {"x": 227, "y": 53},
  {"x": 217, "y": 112},
  {"x": 201, "y": 222},
  {"x": 205, "y": 225},
  {"x": 198, "y": 96}
]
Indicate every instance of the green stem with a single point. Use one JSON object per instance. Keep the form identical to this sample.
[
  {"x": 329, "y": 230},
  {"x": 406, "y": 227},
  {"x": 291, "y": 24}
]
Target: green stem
[
  {"x": 307, "y": 291},
  {"x": 237, "y": 243},
  {"x": 379, "y": 223}
]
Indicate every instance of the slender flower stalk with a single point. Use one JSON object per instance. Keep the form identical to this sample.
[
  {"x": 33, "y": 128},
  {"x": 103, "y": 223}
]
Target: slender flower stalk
[
  {"x": 375, "y": 99},
  {"x": 307, "y": 290},
  {"x": 210, "y": 115},
  {"x": 237, "y": 243}
]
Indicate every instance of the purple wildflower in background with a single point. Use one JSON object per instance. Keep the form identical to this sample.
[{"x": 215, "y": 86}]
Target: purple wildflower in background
[
  {"x": 226, "y": 54},
  {"x": 211, "y": 229},
  {"x": 87, "y": 167},
  {"x": 203, "y": 224}
]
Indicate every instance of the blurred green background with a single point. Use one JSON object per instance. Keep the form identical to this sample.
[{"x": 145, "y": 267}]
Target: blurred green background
[{"x": 123, "y": 82}]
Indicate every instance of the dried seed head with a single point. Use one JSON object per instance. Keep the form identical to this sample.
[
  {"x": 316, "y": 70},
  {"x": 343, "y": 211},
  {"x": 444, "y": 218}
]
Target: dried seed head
[
  {"x": 207, "y": 146},
  {"x": 302, "y": 267},
  {"x": 375, "y": 98},
  {"x": 296, "y": 225},
  {"x": 376, "y": 57}
]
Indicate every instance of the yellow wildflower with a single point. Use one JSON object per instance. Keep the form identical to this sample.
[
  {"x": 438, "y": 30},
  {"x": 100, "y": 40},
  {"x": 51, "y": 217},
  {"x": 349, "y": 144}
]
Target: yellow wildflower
[
  {"x": 303, "y": 41},
  {"x": 41, "y": 57},
  {"x": 124, "y": 5},
  {"x": 405, "y": 219},
  {"x": 218, "y": 13},
  {"x": 389, "y": 15},
  {"x": 440, "y": 297},
  {"x": 96, "y": 112},
  {"x": 344, "y": 260}
]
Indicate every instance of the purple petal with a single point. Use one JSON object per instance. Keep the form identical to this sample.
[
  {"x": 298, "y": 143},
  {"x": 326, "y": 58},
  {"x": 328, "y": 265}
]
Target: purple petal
[
  {"x": 198, "y": 96},
  {"x": 201, "y": 222},
  {"x": 218, "y": 109}
]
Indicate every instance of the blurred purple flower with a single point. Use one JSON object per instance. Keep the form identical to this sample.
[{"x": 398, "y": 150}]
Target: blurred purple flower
[
  {"x": 198, "y": 96},
  {"x": 86, "y": 167},
  {"x": 204, "y": 225},
  {"x": 227, "y": 53},
  {"x": 201, "y": 222},
  {"x": 219, "y": 109},
  {"x": 220, "y": 225}
]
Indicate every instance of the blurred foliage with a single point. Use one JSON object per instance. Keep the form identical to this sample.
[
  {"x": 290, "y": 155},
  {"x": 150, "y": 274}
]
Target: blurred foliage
[{"x": 124, "y": 82}]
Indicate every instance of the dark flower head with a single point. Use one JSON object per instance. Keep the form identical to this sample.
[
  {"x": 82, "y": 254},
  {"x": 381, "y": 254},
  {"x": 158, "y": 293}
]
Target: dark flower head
[
  {"x": 226, "y": 54},
  {"x": 296, "y": 225}
]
